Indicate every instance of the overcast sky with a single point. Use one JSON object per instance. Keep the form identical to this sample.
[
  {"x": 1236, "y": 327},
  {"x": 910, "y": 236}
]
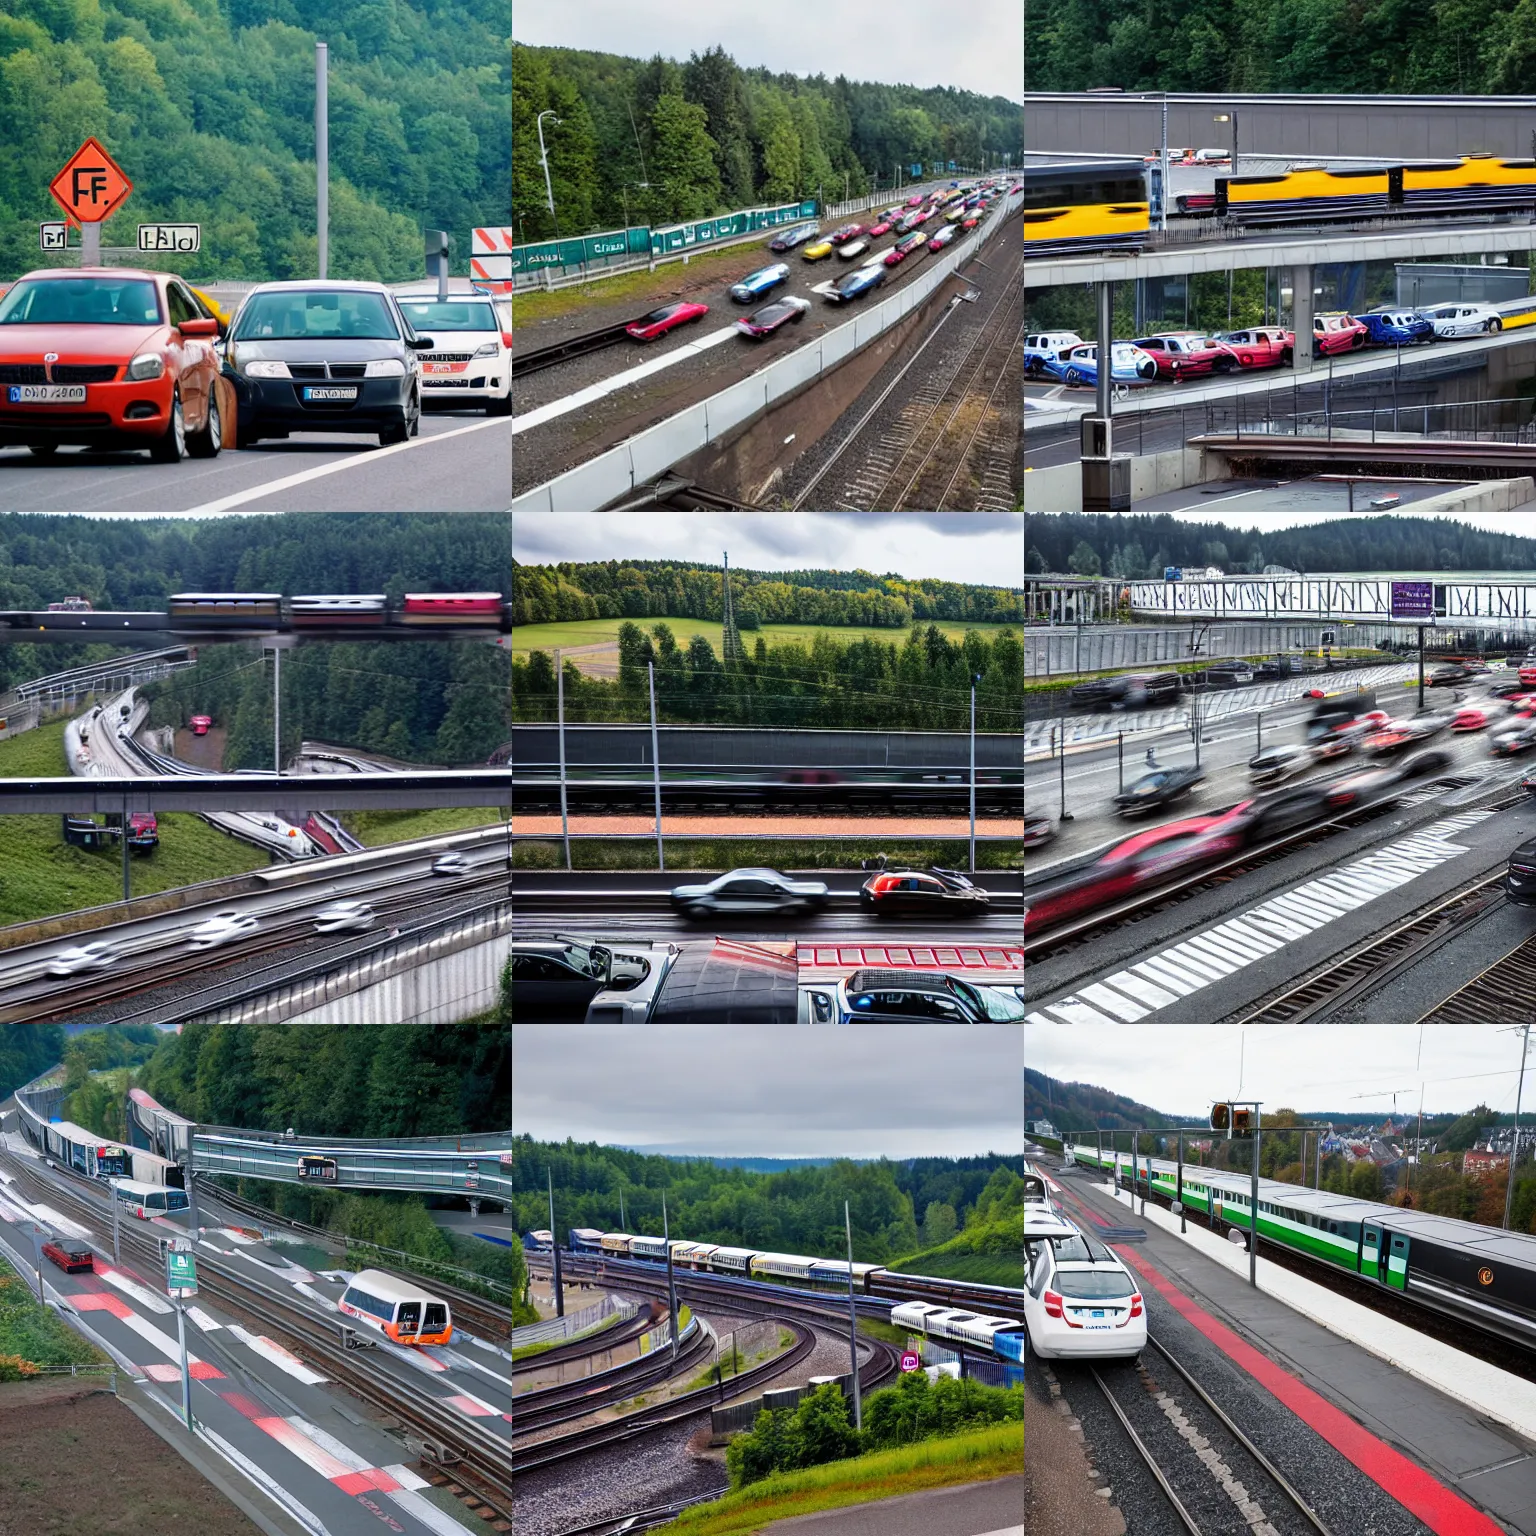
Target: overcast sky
[
  {"x": 980, "y": 49},
  {"x": 771, "y": 1090},
  {"x": 1181, "y": 1069},
  {"x": 982, "y": 547}
]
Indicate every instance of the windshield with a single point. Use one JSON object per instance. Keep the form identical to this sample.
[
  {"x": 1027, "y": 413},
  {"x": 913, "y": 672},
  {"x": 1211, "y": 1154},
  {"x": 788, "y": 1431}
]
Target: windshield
[
  {"x": 82, "y": 301},
  {"x": 428, "y": 316},
  {"x": 1078, "y": 1249},
  {"x": 302, "y": 314},
  {"x": 584, "y": 959},
  {"x": 997, "y": 1006},
  {"x": 1092, "y": 1284}
]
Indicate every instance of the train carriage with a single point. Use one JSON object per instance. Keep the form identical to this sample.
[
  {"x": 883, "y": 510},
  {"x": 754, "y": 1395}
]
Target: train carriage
[
  {"x": 586, "y": 1240},
  {"x": 148, "y": 1200},
  {"x": 451, "y": 608},
  {"x": 781, "y": 1266},
  {"x": 400, "y": 1311},
  {"x": 230, "y": 610},
  {"x": 1306, "y": 195},
  {"x": 1472, "y": 183},
  {"x": 320, "y": 612},
  {"x": 615, "y": 1245},
  {"x": 648, "y": 1248},
  {"x": 730, "y": 1261},
  {"x": 1095, "y": 206}
]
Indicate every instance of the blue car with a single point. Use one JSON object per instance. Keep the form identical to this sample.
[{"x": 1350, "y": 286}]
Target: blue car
[
  {"x": 790, "y": 238},
  {"x": 1128, "y": 365},
  {"x": 1396, "y": 327},
  {"x": 857, "y": 284},
  {"x": 756, "y": 284}
]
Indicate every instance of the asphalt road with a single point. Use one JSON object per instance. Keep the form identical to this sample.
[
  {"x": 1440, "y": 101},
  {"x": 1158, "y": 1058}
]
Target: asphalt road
[{"x": 461, "y": 462}]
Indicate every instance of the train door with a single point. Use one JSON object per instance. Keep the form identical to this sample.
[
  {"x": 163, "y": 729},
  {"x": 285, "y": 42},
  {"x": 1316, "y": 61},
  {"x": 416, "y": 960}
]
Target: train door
[
  {"x": 407, "y": 1320},
  {"x": 1397, "y": 1262},
  {"x": 1370, "y": 1251}
]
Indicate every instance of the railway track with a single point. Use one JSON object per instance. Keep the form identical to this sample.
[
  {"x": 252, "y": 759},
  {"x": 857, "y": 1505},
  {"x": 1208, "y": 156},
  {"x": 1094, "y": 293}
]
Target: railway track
[
  {"x": 1211, "y": 1474},
  {"x": 526, "y": 362},
  {"x": 1504, "y": 994},
  {"x": 459, "y": 1448}
]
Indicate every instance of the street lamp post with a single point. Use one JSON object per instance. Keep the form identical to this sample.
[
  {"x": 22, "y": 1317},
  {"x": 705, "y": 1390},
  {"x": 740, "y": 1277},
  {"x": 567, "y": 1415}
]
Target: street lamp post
[{"x": 549, "y": 191}]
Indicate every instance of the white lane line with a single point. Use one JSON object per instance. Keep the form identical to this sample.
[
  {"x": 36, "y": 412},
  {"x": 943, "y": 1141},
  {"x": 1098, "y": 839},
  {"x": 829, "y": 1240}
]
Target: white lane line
[
  {"x": 144, "y": 1297},
  {"x": 1122, "y": 1006},
  {"x": 320, "y": 471},
  {"x": 279, "y": 1356},
  {"x": 584, "y": 397},
  {"x": 203, "y": 1320}
]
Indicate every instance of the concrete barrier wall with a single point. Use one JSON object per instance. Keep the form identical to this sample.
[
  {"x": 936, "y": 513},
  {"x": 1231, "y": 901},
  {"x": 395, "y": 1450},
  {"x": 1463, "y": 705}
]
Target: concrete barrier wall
[
  {"x": 1067, "y": 651},
  {"x": 616, "y": 473}
]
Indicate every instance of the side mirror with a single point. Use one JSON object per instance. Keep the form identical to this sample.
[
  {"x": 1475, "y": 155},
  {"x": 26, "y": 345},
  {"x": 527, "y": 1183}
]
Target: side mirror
[{"x": 202, "y": 326}]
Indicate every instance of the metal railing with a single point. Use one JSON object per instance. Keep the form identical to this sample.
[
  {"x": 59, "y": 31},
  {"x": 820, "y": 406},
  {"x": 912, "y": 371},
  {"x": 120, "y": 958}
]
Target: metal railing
[{"x": 574, "y": 1324}]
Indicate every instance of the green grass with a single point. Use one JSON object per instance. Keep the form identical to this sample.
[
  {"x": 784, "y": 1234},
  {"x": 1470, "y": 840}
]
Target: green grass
[
  {"x": 978, "y": 1268},
  {"x": 378, "y": 827},
  {"x": 545, "y": 637},
  {"x": 687, "y": 854},
  {"x": 997, "y": 1451},
  {"x": 875, "y": 1329},
  {"x": 41, "y": 877},
  {"x": 32, "y": 1333}
]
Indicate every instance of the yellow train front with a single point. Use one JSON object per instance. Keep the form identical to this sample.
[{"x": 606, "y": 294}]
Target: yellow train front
[{"x": 1094, "y": 206}]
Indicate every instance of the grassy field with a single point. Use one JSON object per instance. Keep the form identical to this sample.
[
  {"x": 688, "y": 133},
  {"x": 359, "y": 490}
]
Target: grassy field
[
  {"x": 997, "y": 1451},
  {"x": 378, "y": 827},
  {"x": 545, "y": 637},
  {"x": 978, "y": 1268},
  {"x": 40, "y": 876}
]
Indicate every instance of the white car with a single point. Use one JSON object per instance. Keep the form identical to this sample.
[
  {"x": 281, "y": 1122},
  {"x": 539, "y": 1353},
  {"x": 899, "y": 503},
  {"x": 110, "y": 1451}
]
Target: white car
[
  {"x": 80, "y": 958},
  {"x": 852, "y": 249},
  {"x": 1043, "y": 347},
  {"x": 345, "y": 916},
  {"x": 470, "y": 364},
  {"x": 222, "y": 928},
  {"x": 450, "y": 864},
  {"x": 1463, "y": 319},
  {"x": 1080, "y": 1301}
]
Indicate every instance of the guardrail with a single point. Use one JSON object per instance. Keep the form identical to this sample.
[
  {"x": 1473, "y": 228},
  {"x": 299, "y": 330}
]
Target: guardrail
[
  {"x": 618, "y": 472},
  {"x": 573, "y": 1325}
]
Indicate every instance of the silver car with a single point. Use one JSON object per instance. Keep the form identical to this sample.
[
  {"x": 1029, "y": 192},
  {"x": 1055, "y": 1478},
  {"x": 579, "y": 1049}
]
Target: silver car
[
  {"x": 345, "y": 917},
  {"x": 223, "y": 928},
  {"x": 750, "y": 891},
  {"x": 82, "y": 957}
]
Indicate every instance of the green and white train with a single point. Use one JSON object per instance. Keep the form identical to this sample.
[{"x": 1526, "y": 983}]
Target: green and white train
[{"x": 1481, "y": 1275}]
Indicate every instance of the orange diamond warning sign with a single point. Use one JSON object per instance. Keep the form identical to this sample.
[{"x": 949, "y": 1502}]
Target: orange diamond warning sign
[{"x": 91, "y": 187}]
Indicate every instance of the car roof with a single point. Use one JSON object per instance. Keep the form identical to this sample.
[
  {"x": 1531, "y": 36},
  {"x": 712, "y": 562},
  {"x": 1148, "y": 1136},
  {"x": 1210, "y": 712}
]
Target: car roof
[
  {"x": 340, "y": 284},
  {"x": 61, "y": 272}
]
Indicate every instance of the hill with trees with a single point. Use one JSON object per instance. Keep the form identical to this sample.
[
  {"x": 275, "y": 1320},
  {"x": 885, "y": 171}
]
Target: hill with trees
[
  {"x": 208, "y": 105},
  {"x": 709, "y": 136},
  {"x": 1084, "y": 1107},
  {"x": 1142, "y": 545}
]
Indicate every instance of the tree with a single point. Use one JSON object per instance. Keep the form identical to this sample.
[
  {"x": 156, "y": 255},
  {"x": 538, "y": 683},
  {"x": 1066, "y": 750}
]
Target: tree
[
  {"x": 684, "y": 180},
  {"x": 938, "y": 1224},
  {"x": 1084, "y": 560},
  {"x": 1365, "y": 1180}
]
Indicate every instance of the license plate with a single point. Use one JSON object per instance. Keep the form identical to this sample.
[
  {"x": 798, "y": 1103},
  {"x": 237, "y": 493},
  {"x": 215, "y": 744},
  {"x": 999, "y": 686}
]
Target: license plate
[
  {"x": 45, "y": 394},
  {"x": 330, "y": 392},
  {"x": 1097, "y": 1314},
  {"x": 446, "y": 367}
]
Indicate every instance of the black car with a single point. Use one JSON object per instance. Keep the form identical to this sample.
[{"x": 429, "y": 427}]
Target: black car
[
  {"x": 1452, "y": 672},
  {"x": 798, "y": 235},
  {"x": 1520, "y": 877},
  {"x": 1130, "y": 690},
  {"x": 937, "y": 890},
  {"x": 903, "y": 997},
  {"x": 750, "y": 891},
  {"x": 322, "y": 356},
  {"x": 553, "y": 980},
  {"x": 1162, "y": 787}
]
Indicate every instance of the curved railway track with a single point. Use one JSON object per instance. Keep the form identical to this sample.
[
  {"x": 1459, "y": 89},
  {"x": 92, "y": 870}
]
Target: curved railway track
[{"x": 469, "y": 1453}]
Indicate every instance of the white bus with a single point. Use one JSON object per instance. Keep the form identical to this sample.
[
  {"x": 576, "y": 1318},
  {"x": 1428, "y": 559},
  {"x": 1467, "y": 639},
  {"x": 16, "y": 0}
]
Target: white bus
[
  {"x": 397, "y": 1309},
  {"x": 148, "y": 1200}
]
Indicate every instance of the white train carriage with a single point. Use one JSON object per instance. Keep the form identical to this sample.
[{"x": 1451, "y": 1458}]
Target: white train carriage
[
  {"x": 834, "y": 1273},
  {"x": 648, "y": 1248},
  {"x": 781, "y": 1266},
  {"x": 615, "y": 1245},
  {"x": 731, "y": 1261}
]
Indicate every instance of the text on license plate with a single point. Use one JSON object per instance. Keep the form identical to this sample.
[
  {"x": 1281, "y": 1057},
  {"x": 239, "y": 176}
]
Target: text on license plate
[
  {"x": 45, "y": 394},
  {"x": 330, "y": 391},
  {"x": 446, "y": 367}
]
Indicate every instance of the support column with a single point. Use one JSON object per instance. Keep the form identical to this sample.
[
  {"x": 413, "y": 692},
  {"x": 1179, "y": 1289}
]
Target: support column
[
  {"x": 1301, "y": 317},
  {"x": 1106, "y": 475},
  {"x": 1105, "y": 339}
]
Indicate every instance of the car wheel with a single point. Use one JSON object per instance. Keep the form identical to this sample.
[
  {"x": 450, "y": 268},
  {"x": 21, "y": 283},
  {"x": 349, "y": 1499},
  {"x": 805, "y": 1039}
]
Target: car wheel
[
  {"x": 246, "y": 437},
  {"x": 501, "y": 407},
  {"x": 1224, "y": 365},
  {"x": 1495, "y": 326},
  {"x": 399, "y": 432},
  {"x": 205, "y": 443},
  {"x": 172, "y": 447},
  {"x": 43, "y": 450},
  {"x": 1073, "y": 378},
  {"x": 1286, "y": 357}
]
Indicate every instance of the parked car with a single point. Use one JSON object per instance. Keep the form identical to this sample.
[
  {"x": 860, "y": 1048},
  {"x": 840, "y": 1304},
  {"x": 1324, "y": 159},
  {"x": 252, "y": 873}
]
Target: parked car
[
  {"x": 1337, "y": 333},
  {"x": 756, "y": 284},
  {"x": 1261, "y": 346},
  {"x": 1455, "y": 320},
  {"x": 764, "y": 322},
  {"x": 1396, "y": 327},
  {"x": 790, "y": 238},
  {"x": 1080, "y": 1301},
  {"x": 667, "y": 318},
  {"x": 1188, "y": 354},
  {"x": 899, "y": 997},
  {"x": 1043, "y": 347},
  {"x": 1153, "y": 791},
  {"x": 1128, "y": 365}
]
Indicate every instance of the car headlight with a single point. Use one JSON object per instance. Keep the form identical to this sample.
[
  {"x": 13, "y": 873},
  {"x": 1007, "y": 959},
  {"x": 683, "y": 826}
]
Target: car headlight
[
  {"x": 490, "y": 349},
  {"x": 147, "y": 365},
  {"x": 385, "y": 368},
  {"x": 267, "y": 368}
]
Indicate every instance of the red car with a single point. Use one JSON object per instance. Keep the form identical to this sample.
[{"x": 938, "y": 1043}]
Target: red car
[
  {"x": 1469, "y": 719},
  {"x": 882, "y": 228},
  {"x": 69, "y": 1254},
  {"x": 1187, "y": 354},
  {"x": 915, "y": 202},
  {"x": 1337, "y": 333},
  {"x": 1527, "y": 676},
  {"x": 899, "y": 252},
  {"x": 667, "y": 318},
  {"x": 1265, "y": 346},
  {"x": 846, "y": 233},
  {"x": 109, "y": 357}
]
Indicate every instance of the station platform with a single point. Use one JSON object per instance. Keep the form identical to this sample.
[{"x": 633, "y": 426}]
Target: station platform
[{"x": 1444, "y": 1460}]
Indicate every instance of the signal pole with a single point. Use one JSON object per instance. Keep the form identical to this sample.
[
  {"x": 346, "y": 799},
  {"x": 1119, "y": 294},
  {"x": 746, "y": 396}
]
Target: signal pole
[
  {"x": 666, "y": 1242},
  {"x": 554, "y": 1249}
]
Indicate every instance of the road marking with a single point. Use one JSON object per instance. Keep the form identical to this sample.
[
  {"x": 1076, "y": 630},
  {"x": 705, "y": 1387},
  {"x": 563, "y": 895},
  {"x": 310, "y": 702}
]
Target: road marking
[
  {"x": 320, "y": 471},
  {"x": 280, "y": 1357},
  {"x": 583, "y": 397},
  {"x": 1235, "y": 943}
]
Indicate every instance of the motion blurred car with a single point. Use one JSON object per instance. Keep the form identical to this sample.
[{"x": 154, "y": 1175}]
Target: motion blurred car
[
  {"x": 897, "y": 997},
  {"x": 1263, "y": 346},
  {"x": 968, "y": 224},
  {"x": 1397, "y": 735},
  {"x": 915, "y": 202},
  {"x": 1513, "y": 739},
  {"x": 765, "y": 321},
  {"x": 1128, "y": 364},
  {"x": 1153, "y": 791},
  {"x": 451, "y": 863},
  {"x": 345, "y": 917},
  {"x": 1396, "y": 327},
  {"x": 749, "y": 891},
  {"x": 667, "y": 318},
  {"x": 934, "y": 890},
  {"x": 322, "y": 355},
  {"x": 852, "y": 249},
  {"x": 1452, "y": 672},
  {"x": 756, "y": 284},
  {"x": 1453, "y": 320},
  {"x": 223, "y": 928},
  {"x": 1275, "y": 764},
  {"x": 109, "y": 358},
  {"x": 1470, "y": 718},
  {"x": 941, "y": 238},
  {"x": 817, "y": 252},
  {"x": 1520, "y": 876},
  {"x": 793, "y": 237},
  {"x": 1336, "y": 333},
  {"x": 1187, "y": 354},
  {"x": 846, "y": 232},
  {"x": 856, "y": 284},
  {"x": 884, "y": 227},
  {"x": 79, "y": 958},
  {"x": 1038, "y": 829},
  {"x": 903, "y": 248}
]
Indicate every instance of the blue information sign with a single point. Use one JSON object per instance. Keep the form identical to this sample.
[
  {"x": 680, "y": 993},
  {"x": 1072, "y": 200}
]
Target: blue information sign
[
  {"x": 1413, "y": 600},
  {"x": 917, "y": 170}
]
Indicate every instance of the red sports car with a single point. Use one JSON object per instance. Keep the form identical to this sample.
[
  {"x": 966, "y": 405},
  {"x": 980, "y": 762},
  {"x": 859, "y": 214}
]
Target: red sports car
[
  {"x": 899, "y": 252},
  {"x": 667, "y": 318},
  {"x": 1265, "y": 346},
  {"x": 109, "y": 358},
  {"x": 846, "y": 233},
  {"x": 1337, "y": 333},
  {"x": 1469, "y": 719},
  {"x": 882, "y": 228},
  {"x": 1188, "y": 354}
]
